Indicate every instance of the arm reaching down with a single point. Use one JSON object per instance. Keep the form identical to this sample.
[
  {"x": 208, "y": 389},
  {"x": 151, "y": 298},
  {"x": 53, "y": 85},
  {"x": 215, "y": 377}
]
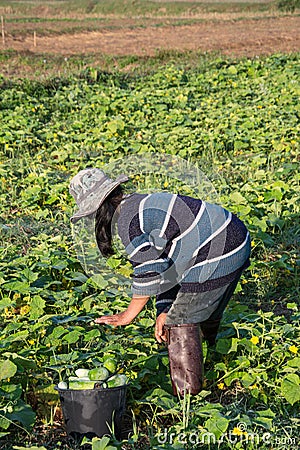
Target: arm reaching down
[{"x": 126, "y": 317}]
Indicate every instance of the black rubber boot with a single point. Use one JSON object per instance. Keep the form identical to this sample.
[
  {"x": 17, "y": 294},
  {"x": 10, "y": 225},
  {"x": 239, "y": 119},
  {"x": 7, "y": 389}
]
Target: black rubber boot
[
  {"x": 209, "y": 330},
  {"x": 185, "y": 358}
]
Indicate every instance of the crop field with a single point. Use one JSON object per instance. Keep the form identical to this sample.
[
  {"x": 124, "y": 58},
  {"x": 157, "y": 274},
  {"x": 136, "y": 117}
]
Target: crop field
[
  {"x": 237, "y": 119},
  {"x": 59, "y": 37}
]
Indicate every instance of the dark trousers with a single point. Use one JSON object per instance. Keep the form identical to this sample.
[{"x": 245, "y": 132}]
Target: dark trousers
[{"x": 224, "y": 299}]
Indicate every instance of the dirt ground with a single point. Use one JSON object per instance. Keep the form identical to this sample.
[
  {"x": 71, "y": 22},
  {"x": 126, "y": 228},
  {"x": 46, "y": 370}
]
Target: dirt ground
[{"x": 248, "y": 37}]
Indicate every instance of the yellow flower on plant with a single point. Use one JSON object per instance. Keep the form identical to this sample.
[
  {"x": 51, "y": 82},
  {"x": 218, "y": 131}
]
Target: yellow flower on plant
[
  {"x": 293, "y": 349},
  {"x": 31, "y": 342},
  {"x": 221, "y": 386},
  {"x": 7, "y": 313},
  {"x": 237, "y": 432},
  {"x": 254, "y": 340},
  {"x": 24, "y": 310},
  {"x": 136, "y": 410}
]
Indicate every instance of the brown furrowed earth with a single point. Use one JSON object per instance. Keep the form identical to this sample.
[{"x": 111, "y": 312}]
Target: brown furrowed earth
[{"x": 247, "y": 37}]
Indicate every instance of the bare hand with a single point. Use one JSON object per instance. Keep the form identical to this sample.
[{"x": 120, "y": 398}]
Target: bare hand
[
  {"x": 126, "y": 317},
  {"x": 159, "y": 328},
  {"x": 115, "y": 320}
]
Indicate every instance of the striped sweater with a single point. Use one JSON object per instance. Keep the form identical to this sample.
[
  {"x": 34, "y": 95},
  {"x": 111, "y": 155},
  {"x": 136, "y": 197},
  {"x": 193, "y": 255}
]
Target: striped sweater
[{"x": 176, "y": 242}]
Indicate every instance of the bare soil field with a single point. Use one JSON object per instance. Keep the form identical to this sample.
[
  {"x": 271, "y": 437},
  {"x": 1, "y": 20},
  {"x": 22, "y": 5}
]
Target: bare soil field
[{"x": 247, "y": 37}]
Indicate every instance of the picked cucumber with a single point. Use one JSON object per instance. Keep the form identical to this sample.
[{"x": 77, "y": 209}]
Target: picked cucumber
[
  {"x": 116, "y": 381},
  {"x": 98, "y": 374},
  {"x": 77, "y": 378},
  {"x": 82, "y": 373},
  {"x": 80, "y": 383}
]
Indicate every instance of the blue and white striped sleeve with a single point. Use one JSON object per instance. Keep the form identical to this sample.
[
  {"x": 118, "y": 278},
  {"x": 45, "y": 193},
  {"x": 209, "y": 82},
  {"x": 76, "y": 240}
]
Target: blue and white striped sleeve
[
  {"x": 148, "y": 251},
  {"x": 150, "y": 262}
]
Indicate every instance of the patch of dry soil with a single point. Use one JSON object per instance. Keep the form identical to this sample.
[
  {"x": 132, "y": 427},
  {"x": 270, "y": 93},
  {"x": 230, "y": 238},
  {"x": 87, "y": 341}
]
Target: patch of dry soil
[{"x": 249, "y": 37}]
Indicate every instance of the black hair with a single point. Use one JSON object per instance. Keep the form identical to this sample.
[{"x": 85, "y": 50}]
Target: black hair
[{"x": 103, "y": 221}]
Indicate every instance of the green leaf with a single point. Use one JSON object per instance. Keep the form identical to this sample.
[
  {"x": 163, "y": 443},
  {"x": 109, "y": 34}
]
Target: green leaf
[
  {"x": 5, "y": 303},
  {"x": 63, "y": 359},
  {"x": 210, "y": 409},
  {"x": 113, "y": 262},
  {"x": 29, "y": 275},
  {"x": 238, "y": 375},
  {"x": 100, "y": 444},
  {"x": 243, "y": 210},
  {"x": 4, "y": 422},
  {"x": 248, "y": 379},
  {"x": 98, "y": 281},
  {"x": 77, "y": 276},
  {"x": 237, "y": 198},
  {"x": 295, "y": 362},
  {"x": 17, "y": 286},
  {"x": 147, "y": 323},
  {"x": 60, "y": 265},
  {"x": 220, "y": 366},
  {"x": 22, "y": 413},
  {"x": 90, "y": 335},
  {"x": 23, "y": 363},
  {"x": 232, "y": 70},
  {"x": 157, "y": 393},
  {"x": 293, "y": 306},
  {"x": 72, "y": 337},
  {"x": 274, "y": 194},
  {"x": 15, "y": 337},
  {"x": 217, "y": 425},
  {"x": 37, "y": 307},
  {"x": 265, "y": 422},
  {"x": 260, "y": 223},
  {"x": 11, "y": 391},
  {"x": 290, "y": 388},
  {"x": 56, "y": 334},
  {"x": 225, "y": 346},
  {"x": 166, "y": 403},
  {"x": 115, "y": 125},
  {"x": 266, "y": 413},
  {"x": 7, "y": 369}
]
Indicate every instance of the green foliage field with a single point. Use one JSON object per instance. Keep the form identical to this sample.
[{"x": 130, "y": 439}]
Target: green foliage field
[
  {"x": 239, "y": 120},
  {"x": 31, "y": 8}
]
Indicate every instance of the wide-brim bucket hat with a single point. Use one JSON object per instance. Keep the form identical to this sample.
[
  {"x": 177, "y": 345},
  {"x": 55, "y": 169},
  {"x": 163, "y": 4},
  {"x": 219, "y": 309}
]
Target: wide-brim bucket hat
[{"x": 90, "y": 187}]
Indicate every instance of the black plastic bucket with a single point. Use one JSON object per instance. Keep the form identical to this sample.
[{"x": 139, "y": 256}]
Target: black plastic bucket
[{"x": 93, "y": 412}]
